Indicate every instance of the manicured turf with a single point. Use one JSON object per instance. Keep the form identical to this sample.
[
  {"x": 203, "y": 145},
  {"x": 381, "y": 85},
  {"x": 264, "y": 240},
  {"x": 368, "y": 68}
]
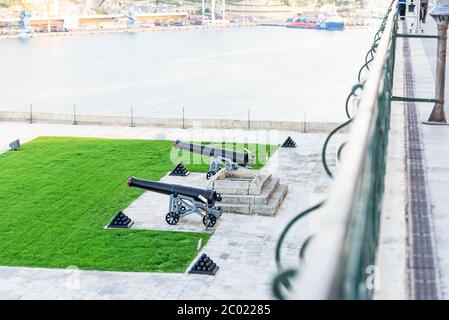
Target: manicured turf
[{"x": 57, "y": 194}]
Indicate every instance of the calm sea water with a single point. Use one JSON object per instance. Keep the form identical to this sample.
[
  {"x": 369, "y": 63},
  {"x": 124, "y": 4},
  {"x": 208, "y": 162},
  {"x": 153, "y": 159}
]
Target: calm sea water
[{"x": 276, "y": 73}]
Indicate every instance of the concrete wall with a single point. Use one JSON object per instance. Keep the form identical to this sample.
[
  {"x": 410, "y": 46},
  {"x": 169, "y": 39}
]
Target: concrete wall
[
  {"x": 122, "y": 28},
  {"x": 168, "y": 122}
]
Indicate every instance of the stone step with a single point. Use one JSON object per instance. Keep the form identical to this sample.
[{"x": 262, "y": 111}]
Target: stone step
[
  {"x": 273, "y": 205},
  {"x": 269, "y": 209},
  {"x": 268, "y": 189},
  {"x": 259, "y": 183},
  {"x": 241, "y": 186},
  {"x": 267, "y": 192},
  {"x": 236, "y": 208}
]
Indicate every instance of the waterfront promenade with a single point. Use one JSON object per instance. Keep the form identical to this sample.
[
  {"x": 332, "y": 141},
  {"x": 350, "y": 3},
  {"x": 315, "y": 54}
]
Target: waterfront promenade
[
  {"x": 416, "y": 206},
  {"x": 131, "y": 30},
  {"x": 435, "y": 140}
]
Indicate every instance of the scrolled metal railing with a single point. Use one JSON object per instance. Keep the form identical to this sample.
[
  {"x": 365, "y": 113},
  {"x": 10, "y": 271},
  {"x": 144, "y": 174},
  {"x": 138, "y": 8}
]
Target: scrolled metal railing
[
  {"x": 369, "y": 58},
  {"x": 333, "y": 261}
]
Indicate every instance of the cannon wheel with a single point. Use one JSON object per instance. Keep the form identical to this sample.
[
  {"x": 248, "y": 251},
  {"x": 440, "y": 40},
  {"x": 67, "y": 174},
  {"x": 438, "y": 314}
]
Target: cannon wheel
[
  {"x": 211, "y": 220},
  {"x": 172, "y": 218}
]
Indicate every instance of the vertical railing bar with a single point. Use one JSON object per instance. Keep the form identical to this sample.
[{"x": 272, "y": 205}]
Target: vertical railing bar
[
  {"x": 31, "y": 113},
  {"x": 74, "y": 115},
  {"x": 132, "y": 117},
  {"x": 183, "y": 118}
]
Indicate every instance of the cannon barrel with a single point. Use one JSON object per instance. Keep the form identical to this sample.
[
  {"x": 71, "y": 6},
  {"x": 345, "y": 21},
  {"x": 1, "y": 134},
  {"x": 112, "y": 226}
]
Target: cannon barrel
[
  {"x": 175, "y": 189},
  {"x": 241, "y": 158}
]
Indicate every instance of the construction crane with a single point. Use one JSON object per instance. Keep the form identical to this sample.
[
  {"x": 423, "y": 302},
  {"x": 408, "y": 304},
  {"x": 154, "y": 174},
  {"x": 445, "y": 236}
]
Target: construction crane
[
  {"x": 48, "y": 15},
  {"x": 212, "y": 9}
]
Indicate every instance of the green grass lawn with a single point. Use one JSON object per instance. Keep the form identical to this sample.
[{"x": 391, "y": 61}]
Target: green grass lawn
[{"x": 57, "y": 194}]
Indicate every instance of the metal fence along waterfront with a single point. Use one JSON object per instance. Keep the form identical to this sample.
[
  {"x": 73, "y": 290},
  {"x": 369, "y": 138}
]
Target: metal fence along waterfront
[{"x": 338, "y": 261}]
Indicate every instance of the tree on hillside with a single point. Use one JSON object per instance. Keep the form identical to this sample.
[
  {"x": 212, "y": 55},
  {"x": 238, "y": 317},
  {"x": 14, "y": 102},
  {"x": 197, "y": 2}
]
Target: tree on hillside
[{"x": 321, "y": 3}]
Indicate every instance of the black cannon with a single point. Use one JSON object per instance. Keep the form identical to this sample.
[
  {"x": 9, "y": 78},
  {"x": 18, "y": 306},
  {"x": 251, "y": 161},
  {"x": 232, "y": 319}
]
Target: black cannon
[
  {"x": 184, "y": 200},
  {"x": 231, "y": 159}
]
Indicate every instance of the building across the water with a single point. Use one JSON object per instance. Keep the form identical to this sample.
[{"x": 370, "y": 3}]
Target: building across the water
[{"x": 65, "y": 23}]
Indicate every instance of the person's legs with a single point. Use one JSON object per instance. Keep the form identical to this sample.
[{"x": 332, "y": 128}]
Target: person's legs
[
  {"x": 424, "y": 11},
  {"x": 420, "y": 12},
  {"x": 402, "y": 10}
]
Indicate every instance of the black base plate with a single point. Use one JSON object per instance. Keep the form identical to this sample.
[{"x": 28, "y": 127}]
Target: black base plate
[
  {"x": 179, "y": 174},
  {"x": 208, "y": 273},
  {"x": 118, "y": 226}
]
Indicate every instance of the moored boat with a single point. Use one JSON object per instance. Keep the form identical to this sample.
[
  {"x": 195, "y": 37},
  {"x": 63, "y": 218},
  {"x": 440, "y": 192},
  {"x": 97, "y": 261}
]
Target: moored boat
[{"x": 326, "y": 24}]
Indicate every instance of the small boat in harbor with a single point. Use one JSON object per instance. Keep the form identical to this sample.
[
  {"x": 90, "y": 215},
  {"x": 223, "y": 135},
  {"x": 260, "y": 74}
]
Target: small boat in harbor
[{"x": 324, "y": 24}]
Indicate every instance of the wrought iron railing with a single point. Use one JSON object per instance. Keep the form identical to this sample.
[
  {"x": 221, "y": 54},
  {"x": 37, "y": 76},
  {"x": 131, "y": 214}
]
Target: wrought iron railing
[{"x": 333, "y": 263}]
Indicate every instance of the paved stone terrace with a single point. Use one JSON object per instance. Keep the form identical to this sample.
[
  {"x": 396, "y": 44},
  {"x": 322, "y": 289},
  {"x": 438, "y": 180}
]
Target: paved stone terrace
[
  {"x": 436, "y": 148},
  {"x": 243, "y": 246}
]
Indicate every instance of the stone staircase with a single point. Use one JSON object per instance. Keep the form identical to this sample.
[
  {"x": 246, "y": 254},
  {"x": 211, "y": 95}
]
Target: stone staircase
[{"x": 249, "y": 192}]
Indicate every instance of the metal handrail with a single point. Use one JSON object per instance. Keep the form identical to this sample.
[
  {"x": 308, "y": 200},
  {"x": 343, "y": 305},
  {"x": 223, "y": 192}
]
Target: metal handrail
[
  {"x": 336, "y": 258},
  {"x": 354, "y": 89}
]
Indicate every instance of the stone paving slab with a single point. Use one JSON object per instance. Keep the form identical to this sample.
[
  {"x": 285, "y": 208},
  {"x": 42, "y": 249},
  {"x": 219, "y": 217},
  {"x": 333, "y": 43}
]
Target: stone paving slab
[{"x": 243, "y": 246}]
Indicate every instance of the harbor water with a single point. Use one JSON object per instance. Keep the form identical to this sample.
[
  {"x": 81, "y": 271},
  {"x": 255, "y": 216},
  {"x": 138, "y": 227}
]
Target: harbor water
[{"x": 274, "y": 73}]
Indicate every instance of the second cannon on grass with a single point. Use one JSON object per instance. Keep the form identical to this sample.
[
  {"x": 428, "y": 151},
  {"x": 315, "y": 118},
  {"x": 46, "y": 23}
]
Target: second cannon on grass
[{"x": 231, "y": 159}]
